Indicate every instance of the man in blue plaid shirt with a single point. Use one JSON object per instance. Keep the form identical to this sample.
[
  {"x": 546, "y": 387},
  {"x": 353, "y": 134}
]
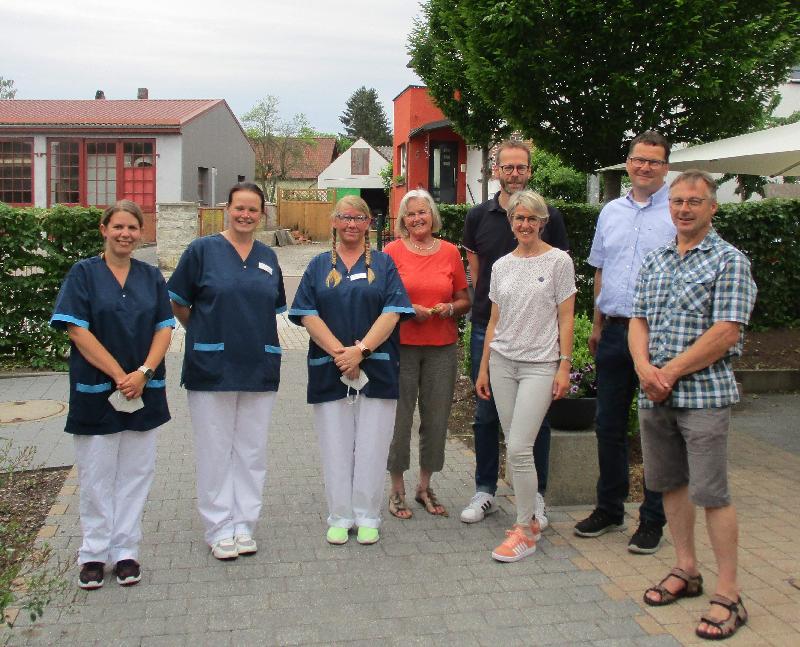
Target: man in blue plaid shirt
[{"x": 693, "y": 298}]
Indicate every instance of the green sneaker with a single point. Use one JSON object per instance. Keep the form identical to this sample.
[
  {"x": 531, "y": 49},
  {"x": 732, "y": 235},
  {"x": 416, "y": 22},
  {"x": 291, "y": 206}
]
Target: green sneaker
[
  {"x": 337, "y": 535},
  {"x": 367, "y": 535}
]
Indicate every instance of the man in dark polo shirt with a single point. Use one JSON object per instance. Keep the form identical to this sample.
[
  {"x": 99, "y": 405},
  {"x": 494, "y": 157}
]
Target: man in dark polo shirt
[{"x": 487, "y": 237}]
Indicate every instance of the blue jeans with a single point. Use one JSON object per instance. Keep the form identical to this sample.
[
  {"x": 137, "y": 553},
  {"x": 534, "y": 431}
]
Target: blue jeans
[
  {"x": 616, "y": 384},
  {"x": 486, "y": 431}
]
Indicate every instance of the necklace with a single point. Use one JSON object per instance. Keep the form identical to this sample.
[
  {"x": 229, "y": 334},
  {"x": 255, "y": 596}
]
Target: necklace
[{"x": 423, "y": 249}]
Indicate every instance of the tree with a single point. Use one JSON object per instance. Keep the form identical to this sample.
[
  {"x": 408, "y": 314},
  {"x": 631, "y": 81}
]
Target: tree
[
  {"x": 440, "y": 65},
  {"x": 278, "y": 143},
  {"x": 7, "y": 89},
  {"x": 365, "y": 117},
  {"x": 552, "y": 179},
  {"x": 581, "y": 77}
]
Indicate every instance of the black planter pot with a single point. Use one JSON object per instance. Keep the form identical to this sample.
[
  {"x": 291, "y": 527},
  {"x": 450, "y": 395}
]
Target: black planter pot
[{"x": 572, "y": 414}]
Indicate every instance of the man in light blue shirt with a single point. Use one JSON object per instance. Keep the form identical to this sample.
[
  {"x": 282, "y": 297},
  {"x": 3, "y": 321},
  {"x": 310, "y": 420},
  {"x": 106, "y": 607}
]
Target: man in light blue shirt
[{"x": 628, "y": 228}]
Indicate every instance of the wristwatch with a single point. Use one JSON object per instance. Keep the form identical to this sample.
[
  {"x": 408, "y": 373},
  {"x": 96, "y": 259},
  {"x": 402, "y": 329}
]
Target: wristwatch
[
  {"x": 365, "y": 352},
  {"x": 567, "y": 358},
  {"x": 148, "y": 372}
]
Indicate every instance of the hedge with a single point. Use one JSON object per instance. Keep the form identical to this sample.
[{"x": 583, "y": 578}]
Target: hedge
[
  {"x": 767, "y": 231},
  {"x": 37, "y": 248}
]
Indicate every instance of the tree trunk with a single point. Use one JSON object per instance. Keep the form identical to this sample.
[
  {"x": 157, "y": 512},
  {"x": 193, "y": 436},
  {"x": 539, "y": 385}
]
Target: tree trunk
[
  {"x": 485, "y": 173},
  {"x": 612, "y": 183}
]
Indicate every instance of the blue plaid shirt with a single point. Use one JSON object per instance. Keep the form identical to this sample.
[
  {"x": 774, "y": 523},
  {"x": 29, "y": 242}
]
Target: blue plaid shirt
[{"x": 681, "y": 298}]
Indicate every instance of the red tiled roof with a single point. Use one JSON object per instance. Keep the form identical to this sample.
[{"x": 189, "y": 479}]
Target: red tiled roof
[
  {"x": 133, "y": 113},
  {"x": 312, "y": 157}
]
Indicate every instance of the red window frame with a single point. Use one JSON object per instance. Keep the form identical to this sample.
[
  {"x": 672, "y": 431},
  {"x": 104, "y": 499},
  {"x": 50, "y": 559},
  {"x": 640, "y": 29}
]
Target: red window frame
[
  {"x": 144, "y": 187},
  {"x": 14, "y": 182}
]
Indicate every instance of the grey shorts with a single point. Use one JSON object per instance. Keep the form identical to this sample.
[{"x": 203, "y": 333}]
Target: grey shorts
[{"x": 687, "y": 446}]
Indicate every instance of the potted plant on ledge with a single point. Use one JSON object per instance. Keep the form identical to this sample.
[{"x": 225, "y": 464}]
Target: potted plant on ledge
[{"x": 577, "y": 411}]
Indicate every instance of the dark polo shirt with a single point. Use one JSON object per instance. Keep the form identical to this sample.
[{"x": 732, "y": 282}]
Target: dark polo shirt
[{"x": 488, "y": 234}]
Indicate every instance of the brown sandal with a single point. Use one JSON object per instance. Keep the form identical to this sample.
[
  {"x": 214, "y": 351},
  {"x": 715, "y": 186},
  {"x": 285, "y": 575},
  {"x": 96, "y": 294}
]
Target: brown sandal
[
  {"x": 397, "y": 506},
  {"x": 430, "y": 503},
  {"x": 693, "y": 588},
  {"x": 737, "y": 617}
]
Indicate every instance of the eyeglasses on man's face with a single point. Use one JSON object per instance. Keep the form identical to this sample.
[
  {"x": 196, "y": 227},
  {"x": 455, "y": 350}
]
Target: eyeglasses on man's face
[
  {"x": 508, "y": 169},
  {"x": 346, "y": 217},
  {"x": 692, "y": 203},
  {"x": 639, "y": 162}
]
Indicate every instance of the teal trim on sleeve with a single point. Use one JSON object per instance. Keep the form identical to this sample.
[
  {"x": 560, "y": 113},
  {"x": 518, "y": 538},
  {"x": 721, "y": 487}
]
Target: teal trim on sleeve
[
  {"x": 273, "y": 349},
  {"x": 280, "y": 310},
  {"x": 297, "y": 312},
  {"x": 179, "y": 299},
  {"x": 319, "y": 361},
  {"x": 380, "y": 356},
  {"x": 156, "y": 384},
  {"x": 167, "y": 323},
  {"x": 208, "y": 347},
  {"x": 93, "y": 388},
  {"x": 398, "y": 309},
  {"x": 69, "y": 319}
]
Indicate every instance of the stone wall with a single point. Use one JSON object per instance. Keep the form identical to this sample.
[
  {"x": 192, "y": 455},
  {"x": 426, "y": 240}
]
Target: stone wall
[{"x": 176, "y": 227}]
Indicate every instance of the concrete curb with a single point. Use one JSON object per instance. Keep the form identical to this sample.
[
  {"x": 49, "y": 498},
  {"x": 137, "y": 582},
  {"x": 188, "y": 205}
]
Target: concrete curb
[{"x": 775, "y": 380}]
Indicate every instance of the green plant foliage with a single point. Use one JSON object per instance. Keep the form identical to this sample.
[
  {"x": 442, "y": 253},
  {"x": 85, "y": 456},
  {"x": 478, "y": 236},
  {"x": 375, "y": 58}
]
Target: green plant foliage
[
  {"x": 364, "y": 116},
  {"x": 555, "y": 181},
  {"x": 582, "y": 377},
  {"x": 37, "y": 248}
]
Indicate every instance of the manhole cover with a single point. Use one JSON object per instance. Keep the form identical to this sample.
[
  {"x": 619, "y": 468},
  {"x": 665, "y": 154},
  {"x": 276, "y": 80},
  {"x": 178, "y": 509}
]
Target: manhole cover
[{"x": 28, "y": 410}]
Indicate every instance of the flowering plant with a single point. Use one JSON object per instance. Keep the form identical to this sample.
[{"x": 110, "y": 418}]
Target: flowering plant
[{"x": 583, "y": 377}]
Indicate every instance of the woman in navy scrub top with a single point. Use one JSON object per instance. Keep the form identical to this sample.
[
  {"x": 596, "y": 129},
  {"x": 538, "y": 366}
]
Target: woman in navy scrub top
[
  {"x": 116, "y": 312},
  {"x": 226, "y": 291},
  {"x": 350, "y": 300}
]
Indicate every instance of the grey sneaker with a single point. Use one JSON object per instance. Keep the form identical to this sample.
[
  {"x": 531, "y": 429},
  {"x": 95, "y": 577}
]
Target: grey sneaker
[
  {"x": 225, "y": 549},
  {"x": 245, "y": 544},
  {"x": 540, "y": 515},
  {"x": 481, "y": 504}
]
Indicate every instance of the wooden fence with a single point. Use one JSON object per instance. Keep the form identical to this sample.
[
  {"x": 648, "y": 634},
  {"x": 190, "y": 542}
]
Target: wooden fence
[
  {"x": 211, "y": 220},
  {"x": 308, "y": 210}
]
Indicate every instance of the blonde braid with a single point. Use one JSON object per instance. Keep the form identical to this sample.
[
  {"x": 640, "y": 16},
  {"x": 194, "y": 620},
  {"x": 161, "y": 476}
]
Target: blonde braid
[
  {"x": 368, "y": 258},
  {"x": 333, "y": 278}
]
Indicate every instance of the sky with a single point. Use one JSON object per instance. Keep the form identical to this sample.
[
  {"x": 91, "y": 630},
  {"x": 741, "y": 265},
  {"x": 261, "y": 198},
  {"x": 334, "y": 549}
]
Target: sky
[{"x": 311, "y": 54}]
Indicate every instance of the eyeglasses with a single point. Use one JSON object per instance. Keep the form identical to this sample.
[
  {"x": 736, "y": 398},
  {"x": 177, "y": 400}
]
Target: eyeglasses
[
  {"x": 348, "y": 218},
  {"x": 692, "y": 203},
  {"x": 530, "y": 220},
  {"x": 508, "y": 169},
  {"x": 421, "y": 212},
  {"x": 639, "y": 162}
]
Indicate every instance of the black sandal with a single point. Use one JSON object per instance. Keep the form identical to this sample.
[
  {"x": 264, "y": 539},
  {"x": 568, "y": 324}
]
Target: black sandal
[
  {"x": 693, "y": 588},
  {"x": 737, "y": 617}
]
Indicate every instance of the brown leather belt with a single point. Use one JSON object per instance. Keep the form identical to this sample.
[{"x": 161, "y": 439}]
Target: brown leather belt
[{"x": 617, "y": 321}]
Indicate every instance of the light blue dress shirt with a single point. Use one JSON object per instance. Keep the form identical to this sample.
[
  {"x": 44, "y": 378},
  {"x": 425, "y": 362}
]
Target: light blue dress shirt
[{"x": 626, "y": 232}]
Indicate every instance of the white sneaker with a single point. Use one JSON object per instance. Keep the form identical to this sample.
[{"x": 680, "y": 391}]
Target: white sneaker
[
  {"x": 225, "y": 549},
  {"x": 245, "y": 544},
  {"x": 481, "y": 504},
  {"x": 540, "y": 516}
]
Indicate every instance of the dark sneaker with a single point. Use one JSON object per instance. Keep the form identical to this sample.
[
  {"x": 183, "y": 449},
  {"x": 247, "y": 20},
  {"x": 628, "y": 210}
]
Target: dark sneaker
[
  {"x": 598, "y": 523},
  {"x": 128, "y": 572},
  {"x": 91, "y": 576},
  {"x": 646, "y": 539}
]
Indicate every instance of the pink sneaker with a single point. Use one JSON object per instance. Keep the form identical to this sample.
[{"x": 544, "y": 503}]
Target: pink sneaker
[{"x": 520, "y": 542}]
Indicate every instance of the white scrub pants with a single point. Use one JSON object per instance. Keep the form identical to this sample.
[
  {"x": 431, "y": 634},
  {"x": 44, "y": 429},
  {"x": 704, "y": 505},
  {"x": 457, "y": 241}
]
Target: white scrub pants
[
  {"x": 230, "y": 448},
  {"x": 115, "y": 472},
  {"x": 354, "y": 442}
]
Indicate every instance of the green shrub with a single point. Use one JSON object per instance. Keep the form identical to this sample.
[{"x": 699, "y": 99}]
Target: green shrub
[
  {"x": 555, "y": 181},
  {"x": 37, "y": 248}
]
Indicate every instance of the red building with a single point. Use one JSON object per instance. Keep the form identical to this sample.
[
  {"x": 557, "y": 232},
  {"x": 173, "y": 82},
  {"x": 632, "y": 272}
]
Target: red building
[{"x": 428, "y": 153}]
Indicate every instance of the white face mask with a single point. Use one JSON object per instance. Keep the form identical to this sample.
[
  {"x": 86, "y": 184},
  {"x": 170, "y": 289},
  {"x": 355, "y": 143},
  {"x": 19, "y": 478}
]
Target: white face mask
[{"x": 357, "y": 384}]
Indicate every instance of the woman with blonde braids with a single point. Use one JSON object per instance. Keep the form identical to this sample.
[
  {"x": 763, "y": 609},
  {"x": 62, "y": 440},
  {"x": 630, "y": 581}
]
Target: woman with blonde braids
[{"x": 350, "y": 300}]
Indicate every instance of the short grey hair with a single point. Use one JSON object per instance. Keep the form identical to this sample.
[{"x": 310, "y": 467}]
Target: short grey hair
[
  {"x": 693, "y": 176},
  {"x": 532, "y": 201},
  {"x": 400, "y": 228}
]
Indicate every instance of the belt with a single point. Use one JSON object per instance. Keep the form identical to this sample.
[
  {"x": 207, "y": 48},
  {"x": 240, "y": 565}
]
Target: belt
[{"x": 617, "y": 321}]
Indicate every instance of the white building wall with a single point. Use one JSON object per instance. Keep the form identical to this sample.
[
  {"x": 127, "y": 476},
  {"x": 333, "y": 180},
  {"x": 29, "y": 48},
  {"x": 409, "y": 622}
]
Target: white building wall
[
  {"x": 475, "y": 177},
  {"x": 337, "y": 175}
]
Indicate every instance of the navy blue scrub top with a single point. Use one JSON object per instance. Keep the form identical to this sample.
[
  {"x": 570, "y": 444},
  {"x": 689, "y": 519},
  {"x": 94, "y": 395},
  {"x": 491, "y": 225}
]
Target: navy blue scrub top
[
  {"x": 349, "y": 310},
  {"x": 124, "y": 320},
  {"x": 232, "y": 339}
]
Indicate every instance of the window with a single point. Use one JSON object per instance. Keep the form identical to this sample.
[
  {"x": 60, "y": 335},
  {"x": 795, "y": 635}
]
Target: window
[
  {"x": 202, "y": 185},
  {"x": 98, "y": 172},
  {"x": 16, "y": 171},
  {"x": 403, "y": 157},
  {"x": 359, "y": 161}
]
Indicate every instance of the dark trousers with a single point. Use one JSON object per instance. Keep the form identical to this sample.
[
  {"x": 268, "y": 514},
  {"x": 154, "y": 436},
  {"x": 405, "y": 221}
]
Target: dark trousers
[
  {"x": 486, "y": 431},
  {"x": 616, "y": 384}
]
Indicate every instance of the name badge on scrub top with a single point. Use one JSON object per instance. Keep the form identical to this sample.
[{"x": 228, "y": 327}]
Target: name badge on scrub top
[
  {"x": 265, "y": 267},
  {"x": 360, "y": 275}
]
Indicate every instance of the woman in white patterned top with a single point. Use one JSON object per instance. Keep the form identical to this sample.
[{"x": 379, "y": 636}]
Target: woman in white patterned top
[{"x": 527, "y": 353}]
